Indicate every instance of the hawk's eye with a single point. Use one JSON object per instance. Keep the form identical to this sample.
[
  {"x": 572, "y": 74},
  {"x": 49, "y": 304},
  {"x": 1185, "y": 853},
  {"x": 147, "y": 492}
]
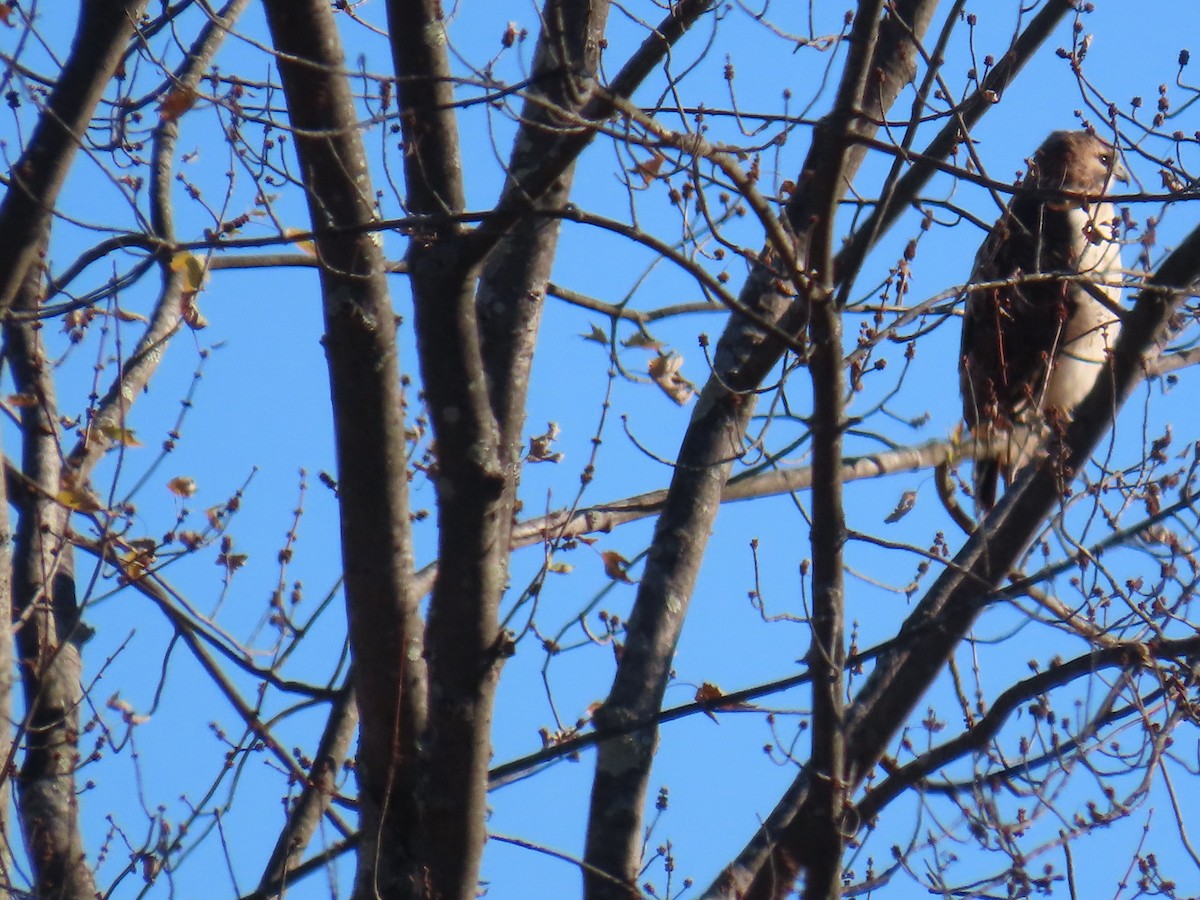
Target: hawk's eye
[{"x": 1106, "y": 159}]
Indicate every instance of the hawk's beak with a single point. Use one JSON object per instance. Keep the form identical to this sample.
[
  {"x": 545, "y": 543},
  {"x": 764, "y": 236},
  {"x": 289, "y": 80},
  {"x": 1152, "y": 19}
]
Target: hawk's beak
[{"x": 1119, "y": 172}]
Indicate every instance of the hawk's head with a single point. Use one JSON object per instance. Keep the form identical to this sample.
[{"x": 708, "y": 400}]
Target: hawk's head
[{"x": 1076, "y": 161}]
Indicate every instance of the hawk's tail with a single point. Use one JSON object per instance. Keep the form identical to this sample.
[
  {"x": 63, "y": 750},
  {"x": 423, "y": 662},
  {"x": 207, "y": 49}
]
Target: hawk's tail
[{"x": 986, "y": 480}]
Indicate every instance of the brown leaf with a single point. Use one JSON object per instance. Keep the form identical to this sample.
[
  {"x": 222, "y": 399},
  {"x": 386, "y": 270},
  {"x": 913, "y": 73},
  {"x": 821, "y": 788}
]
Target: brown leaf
[
  {"x": 513, "y": 32},
  {"x": 903, "y": 506},
  {"x": 643, "y": 340},
  {"x": 126, "y": 315},
  {"x": 191, "y": 312},
  {"x": 182, "y": 486},
  {"x": 176, "y": 103},
  {"x": 616, "y": 566},
  {"x": 214, "y": 515},
  {"x": 664, "y": 369},
  {"x": 708, "y": 691},
  {"x": 649, "y": 168},
  {"x": 232, "y": 561},
  {"x": 599, "y": 335},
  {"x": 540, "y": 446}
]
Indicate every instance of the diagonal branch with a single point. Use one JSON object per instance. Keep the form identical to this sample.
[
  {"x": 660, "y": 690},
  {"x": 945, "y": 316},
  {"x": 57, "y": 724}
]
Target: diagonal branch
[
  {"x": 101, "y": 37},
  {"x": 713, "y": 439},
  {"x": 1124, "y": 655},
  {"x": 319, "y": 789},
  {"x": 903, "y": 674},
  {"x": 135, "y": 373}
]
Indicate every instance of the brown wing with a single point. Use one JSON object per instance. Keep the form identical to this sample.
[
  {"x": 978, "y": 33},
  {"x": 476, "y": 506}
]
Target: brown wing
[
  {"x": 1029, "y": 342},
  {"x": 1011, "y": 332}
]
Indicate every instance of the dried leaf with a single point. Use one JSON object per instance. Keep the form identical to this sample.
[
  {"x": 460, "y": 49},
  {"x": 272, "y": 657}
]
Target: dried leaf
[
  {"x": 906, "y": 502},
  {"x": 176, "y": 103},
  {"x": 126, "y": 315},
  {"x": 118, "y": 435},
  {"x": 709, "y": 691},
  {"x": 191, "y": 266},
  {"x": 182, "y": 486},
  {"x": 616, "y": 566},
  {"x": 649, "y": 168},
  {"x": 599, "y": 335},
  {"x": 560, "y": 568},
  {"x": 643, "y": 340},
  {"x": 78, "y": 497},
  {"x": 232, "y": 561},
  {"x": 22, "y": 401},
  {"x": 305, "y": 244},
  {"x": 513, "y": 32},
  {"x": 540, "y": 446},
  {"x": 191, "y": 539},
  {"x": 664, "y": 370},
  {"x": 191, "y": 312}
]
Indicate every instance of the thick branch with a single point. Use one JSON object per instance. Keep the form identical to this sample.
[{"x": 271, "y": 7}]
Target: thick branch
[
  {"x": 937, "y": 625},
  {"x": 713, "y": 438},
  {"x": 49, "y": 634},
  {"x": 319, "y": 789},
  {"x": 368, "y": 410},
  {"x": 101, "y": 37},
  {"x": 1125, "y": 655}
]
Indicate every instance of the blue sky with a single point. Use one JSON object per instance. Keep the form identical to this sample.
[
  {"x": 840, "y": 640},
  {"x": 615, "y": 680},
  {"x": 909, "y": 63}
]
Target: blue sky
[{"x": 261, "y": 409}]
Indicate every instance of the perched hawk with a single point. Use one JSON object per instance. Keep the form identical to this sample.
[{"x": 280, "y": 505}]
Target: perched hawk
[{"x": 1033, "y": 347}]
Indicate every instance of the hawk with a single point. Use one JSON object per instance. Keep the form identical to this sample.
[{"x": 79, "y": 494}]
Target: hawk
[{"x": 1032, "y": 347}]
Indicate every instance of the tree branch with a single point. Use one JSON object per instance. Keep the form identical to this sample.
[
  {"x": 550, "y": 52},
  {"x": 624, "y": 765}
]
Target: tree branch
[
  {"x": 101, "y": 37},
  {"x": 368, "y": 408},
  {"x": 943, "y": 616},
  {"x": 49, "y": 633}
]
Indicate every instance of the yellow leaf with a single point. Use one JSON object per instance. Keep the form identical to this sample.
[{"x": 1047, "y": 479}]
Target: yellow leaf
[
  {"x": 78, "y": 498},
  {"x": 123, "y": 436},
  {"x": 190, "y": 265},
  {"x": 306, "y": 245},
  {"x": 182, "y": 486},
  {"x": 134, "y": 565},
  {"x": 560, "y": 568}
]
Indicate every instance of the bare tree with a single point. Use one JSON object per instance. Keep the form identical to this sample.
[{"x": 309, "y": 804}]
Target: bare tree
[{"x": 447, "y": 174}]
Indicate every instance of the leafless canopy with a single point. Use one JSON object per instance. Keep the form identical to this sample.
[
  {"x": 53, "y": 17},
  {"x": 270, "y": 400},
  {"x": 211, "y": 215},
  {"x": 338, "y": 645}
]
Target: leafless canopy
[{"x": 506, "y": 215}]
